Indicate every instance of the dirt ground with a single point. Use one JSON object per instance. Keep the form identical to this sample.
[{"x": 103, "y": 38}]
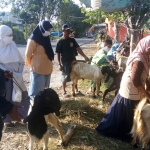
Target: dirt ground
[{"x": 82, "y": 111}]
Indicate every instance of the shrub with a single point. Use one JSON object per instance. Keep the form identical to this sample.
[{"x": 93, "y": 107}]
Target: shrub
[{"x": 18, "y": 36}]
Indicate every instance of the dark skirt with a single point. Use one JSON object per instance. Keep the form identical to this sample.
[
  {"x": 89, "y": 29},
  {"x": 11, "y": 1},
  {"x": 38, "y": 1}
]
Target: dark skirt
[{"x": 118, "y": 121}]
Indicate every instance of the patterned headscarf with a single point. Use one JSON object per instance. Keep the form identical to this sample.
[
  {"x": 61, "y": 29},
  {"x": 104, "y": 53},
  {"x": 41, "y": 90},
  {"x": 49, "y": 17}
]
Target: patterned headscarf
[{"x": 140, "y": 52}]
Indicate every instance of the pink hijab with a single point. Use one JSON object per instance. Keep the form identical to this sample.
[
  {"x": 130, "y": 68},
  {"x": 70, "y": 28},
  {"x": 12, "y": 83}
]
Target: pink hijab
[{"x": 140, "y": 52}]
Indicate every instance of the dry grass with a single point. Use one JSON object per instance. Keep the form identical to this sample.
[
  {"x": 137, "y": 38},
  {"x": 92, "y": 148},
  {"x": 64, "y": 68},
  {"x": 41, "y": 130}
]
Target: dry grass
[{"x": 83, "y": 111}]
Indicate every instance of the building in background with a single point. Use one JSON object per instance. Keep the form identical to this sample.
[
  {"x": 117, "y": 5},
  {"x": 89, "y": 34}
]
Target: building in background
[{"x": 7, "y": 16}]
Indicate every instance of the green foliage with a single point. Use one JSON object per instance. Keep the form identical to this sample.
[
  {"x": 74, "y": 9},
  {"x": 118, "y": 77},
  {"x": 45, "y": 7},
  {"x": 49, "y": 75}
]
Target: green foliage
[
  {"x": 32, "y": 11},
  {"x": 8, "y": 23},
  {"x": 4, "y": 3},
  {"x": 18, "y": 36},
  {"x": 94, "y": 16},
  {"x": 28, "y": 28},
  {"x": 71, "y": 14},
  {"x": 147, "y": 24},
  {"x": 91, "y": 16}
]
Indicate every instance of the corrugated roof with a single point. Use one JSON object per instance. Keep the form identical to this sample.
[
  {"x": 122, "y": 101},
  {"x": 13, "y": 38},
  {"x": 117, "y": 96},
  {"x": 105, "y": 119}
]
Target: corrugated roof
[{"x": 109, "y": 5}]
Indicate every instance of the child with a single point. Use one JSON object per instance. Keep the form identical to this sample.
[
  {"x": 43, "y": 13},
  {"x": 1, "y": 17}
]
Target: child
[{"x": 66, "y": 51}]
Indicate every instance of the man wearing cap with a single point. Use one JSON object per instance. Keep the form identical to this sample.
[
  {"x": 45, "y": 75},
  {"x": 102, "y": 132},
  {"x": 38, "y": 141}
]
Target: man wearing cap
[{"x": 66, "y": 52}]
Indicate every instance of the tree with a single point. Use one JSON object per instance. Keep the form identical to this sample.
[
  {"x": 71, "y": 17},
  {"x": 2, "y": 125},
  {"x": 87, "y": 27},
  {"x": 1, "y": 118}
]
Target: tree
[
  {"x": 92, "y": 16},
  {"x": 71, "y": 14},
  {"x": 137, "y": 17},
  {"x": 30, "y": 12},
  {"x": 4, "y": 3},
  {"x": 96, "y": 16}
]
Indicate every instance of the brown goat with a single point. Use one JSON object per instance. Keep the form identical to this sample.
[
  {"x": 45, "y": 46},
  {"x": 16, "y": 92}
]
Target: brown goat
[{"x": 141, "y": 123}]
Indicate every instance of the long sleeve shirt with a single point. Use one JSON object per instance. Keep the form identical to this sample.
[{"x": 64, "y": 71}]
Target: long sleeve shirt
[{"x": 36, "y": 58}]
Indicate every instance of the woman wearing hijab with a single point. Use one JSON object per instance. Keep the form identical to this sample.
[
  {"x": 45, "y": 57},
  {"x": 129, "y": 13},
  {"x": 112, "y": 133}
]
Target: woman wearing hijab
[
  {"x": 39, "y": 56},
  {"x": 10, "y": 59},
  {"x": 118, "y": 121}
]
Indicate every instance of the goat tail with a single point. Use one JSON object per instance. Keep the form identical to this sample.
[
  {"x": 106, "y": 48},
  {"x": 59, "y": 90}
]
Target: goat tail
[{"x": 73, "y": 63}]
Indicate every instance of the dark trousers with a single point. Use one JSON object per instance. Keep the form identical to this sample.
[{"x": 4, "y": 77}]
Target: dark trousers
[{"x": 1, "y": 126}]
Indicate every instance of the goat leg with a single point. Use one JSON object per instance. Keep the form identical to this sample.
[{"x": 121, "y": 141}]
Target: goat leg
[
  {"x": 74, "y": 86},
  {"x": 53, "y": 120},
  {"x": 31, "y": 142},
  {"x": 45, "y": 140},
  {"x": 73, "y": 90},
  {"x": 109, "y": 90},
  {"x": 93, "y": 90},
  {"x": 97, "y": 88}
]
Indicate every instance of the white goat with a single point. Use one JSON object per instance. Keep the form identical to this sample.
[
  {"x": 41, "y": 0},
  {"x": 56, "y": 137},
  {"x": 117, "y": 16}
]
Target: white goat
[
  {"x": 121, "y": 60},
  {"x": 86, "y": 71}
]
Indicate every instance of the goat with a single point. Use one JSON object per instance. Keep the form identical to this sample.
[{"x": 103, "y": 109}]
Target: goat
[
  {"x": 117, "y": 76},
  {"x": 121, "y": 61},
  {"x": 44, "y": 110},
  {"x": 86, "y": 71},
  {"x": 141, "y": 123}
]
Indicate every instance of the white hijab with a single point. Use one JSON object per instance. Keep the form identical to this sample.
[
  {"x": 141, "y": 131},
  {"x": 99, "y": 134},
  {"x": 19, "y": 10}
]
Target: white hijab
[
  {"x": 8, "y": 49},
  {"x": 11, "y": 59}
]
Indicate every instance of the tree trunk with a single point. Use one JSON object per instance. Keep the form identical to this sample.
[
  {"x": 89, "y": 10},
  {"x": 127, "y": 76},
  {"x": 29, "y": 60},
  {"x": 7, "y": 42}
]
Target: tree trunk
[
  {"x": 116, "y": 32},
  {"x": 133, "y": 39}
]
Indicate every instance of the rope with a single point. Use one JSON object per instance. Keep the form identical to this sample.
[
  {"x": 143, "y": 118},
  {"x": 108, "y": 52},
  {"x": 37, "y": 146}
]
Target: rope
[{"x": 15, "y": 81}]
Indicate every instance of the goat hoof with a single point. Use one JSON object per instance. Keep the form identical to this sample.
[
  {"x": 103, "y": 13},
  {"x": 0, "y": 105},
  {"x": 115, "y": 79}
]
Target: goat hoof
[
  {"x": 94, "y": 96},
  {"x": 63, "y": 144},
  {"x": 135, "y": 146}
]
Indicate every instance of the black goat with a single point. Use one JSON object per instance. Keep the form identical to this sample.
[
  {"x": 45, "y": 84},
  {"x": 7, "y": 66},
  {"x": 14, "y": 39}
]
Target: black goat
[
  {"x": 117, "y": 76},
  {"x": 46, "y": 103}
]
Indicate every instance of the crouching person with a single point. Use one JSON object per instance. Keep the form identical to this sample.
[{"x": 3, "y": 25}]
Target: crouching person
[{"x": 7, "y": 107}]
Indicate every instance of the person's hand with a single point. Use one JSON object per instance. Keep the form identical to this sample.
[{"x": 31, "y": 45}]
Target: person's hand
[
  {"x": 8, "y": 74},
  {"x": 14, "y": 114},
  {"x": 60, "y": 67},
  {"x": 86, "y": 59},
  {"x": 113, "y": 63}
]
